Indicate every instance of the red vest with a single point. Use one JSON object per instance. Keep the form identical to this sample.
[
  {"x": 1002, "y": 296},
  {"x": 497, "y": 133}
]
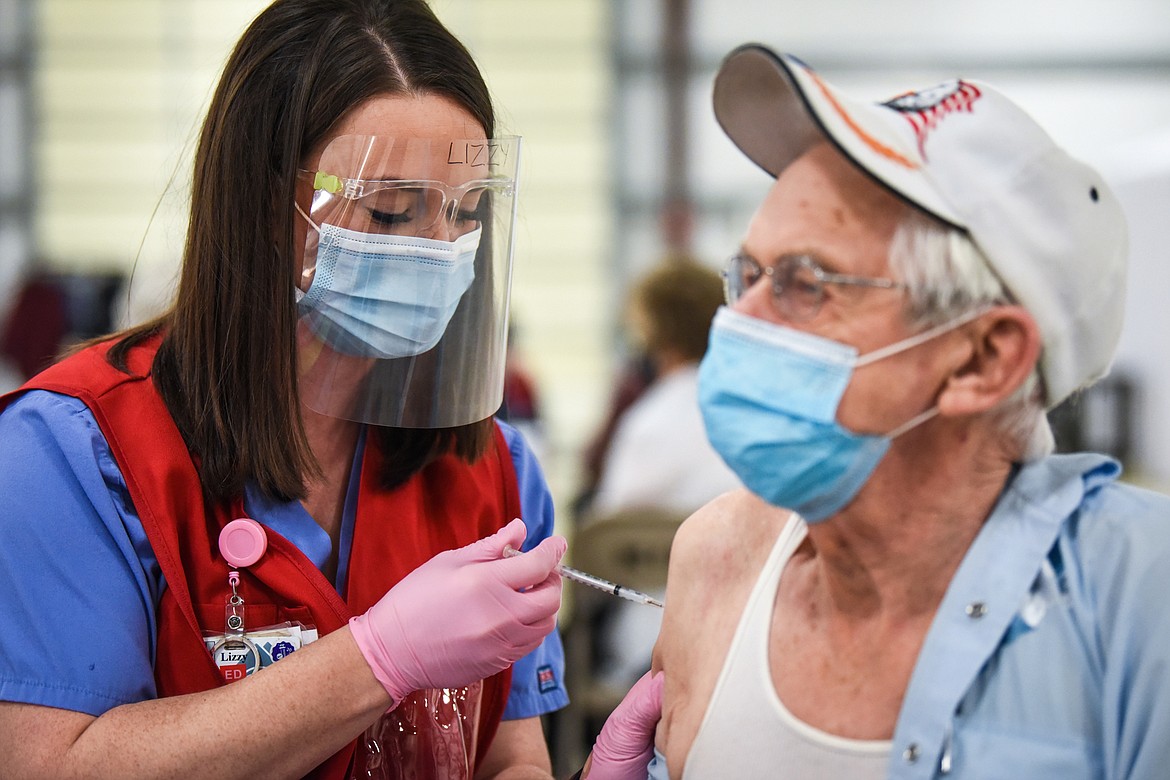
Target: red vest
[{"x": 447, "y": 505}]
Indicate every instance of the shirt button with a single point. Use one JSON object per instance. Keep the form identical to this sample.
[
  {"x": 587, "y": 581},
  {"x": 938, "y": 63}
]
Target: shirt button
[
  {"x": 910, "y": 754},
  {"x": 976, "y": 610}
]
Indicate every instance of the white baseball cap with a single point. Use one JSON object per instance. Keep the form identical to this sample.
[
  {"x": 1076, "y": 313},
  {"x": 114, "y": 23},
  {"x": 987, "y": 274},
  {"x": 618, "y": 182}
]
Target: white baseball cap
[{"x": 965, "y": 153}]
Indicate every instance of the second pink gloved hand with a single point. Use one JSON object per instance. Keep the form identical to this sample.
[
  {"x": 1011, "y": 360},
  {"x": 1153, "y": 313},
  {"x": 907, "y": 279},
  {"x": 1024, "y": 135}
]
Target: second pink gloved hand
[
  {"x": 461, "y": 616},
  {"x": 626, "y": 742}
]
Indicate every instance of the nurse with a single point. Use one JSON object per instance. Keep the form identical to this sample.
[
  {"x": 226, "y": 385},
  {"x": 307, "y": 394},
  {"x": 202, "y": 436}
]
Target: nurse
[{"x": 323, "y": 388}]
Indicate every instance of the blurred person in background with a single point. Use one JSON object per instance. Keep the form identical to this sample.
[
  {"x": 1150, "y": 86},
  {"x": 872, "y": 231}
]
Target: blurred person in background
[
  {"x": 659, "y": 456},
  {"x": 676, "y": 222},
  {"x": 633, "y": 377},
  {"x": 34, "y": 329}
]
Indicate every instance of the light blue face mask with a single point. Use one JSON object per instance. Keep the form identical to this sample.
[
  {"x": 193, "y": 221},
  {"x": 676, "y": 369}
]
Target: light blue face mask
[
  {"x": 386, "y": 296},
  {"x": 769, "y": 397}
]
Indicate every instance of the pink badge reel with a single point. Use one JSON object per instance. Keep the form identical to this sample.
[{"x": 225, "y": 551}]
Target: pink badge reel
[{"x": 242, "y": 542}]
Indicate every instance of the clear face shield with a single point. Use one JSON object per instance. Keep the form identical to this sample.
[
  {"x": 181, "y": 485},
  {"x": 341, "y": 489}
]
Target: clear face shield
[{"x": 403, "y": 291}]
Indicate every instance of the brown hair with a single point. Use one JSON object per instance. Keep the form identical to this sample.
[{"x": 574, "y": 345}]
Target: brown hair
[
  {"x": 677, "y": 301},
  {"x": 226, "y": 367}
]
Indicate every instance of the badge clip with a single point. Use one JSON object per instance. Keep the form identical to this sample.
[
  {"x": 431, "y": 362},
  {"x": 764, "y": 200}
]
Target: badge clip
[{"x": 235, "y": 655}]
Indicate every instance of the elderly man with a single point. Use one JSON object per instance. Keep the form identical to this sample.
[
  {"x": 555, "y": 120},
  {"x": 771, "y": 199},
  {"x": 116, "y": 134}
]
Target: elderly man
[{"x": 913, "y": 586}]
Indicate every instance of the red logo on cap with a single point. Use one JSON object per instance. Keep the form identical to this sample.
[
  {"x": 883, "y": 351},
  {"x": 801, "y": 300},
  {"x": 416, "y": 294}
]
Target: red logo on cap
[{"x": 926, "y": 108}]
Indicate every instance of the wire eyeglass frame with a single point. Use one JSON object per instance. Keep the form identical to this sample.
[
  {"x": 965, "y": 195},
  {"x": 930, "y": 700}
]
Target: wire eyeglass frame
[{"x": 798, "y": 283}]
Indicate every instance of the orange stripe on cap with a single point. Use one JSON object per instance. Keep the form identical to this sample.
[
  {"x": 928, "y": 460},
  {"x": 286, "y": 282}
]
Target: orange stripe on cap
[{"x": 874, "y": 144}]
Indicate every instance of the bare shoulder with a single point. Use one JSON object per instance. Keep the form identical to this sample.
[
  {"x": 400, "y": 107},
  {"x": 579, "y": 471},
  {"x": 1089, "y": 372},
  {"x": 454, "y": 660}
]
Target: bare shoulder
[
  {"x": 715, "y": 561},
  {"x": 725, "y": 542}
]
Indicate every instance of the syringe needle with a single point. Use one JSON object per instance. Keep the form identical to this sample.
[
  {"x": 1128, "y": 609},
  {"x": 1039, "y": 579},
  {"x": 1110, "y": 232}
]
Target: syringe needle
[{"x": 577, "y": 575}]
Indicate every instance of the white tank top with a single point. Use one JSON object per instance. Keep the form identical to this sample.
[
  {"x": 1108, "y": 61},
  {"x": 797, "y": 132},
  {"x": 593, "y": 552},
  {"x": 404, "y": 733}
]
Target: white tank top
[{"x": 747, "y": 732}]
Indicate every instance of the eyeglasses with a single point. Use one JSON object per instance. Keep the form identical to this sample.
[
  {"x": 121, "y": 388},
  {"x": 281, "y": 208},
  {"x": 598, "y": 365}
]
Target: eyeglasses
[
  {"x": 798, "y": 283},
  {"x": 413, "y": 206}
]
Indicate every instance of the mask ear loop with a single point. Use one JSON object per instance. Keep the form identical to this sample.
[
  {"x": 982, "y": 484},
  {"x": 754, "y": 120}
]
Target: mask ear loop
[
  {"x": 298, "y": 292},
  {"x": 919, "y": 338},
  {"x": 913, "y": 422},
  {"x": 308, "y": 219},
  {"x": 910, "y": 343}
]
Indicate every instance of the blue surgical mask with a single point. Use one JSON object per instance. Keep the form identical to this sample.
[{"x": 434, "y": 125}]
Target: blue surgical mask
[
  {"x": 386, "y": 296},
  {"x": 769, "y": 397}
]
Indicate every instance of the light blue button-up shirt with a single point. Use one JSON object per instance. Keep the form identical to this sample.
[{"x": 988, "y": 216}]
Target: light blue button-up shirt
[
  {"x": 1050, "y": 653},
  {"x": 1049, "y": 658}
]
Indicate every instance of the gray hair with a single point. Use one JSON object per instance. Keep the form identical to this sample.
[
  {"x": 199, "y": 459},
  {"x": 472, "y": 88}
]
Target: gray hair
[{"x": 946, "y": 276}]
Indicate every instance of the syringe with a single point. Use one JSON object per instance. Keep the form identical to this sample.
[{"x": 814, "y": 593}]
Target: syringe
[{"x": 568, "y": 572}]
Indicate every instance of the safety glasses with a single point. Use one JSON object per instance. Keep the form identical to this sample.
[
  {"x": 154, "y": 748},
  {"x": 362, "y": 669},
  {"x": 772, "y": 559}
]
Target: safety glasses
[{"x": 411, "y": 206}]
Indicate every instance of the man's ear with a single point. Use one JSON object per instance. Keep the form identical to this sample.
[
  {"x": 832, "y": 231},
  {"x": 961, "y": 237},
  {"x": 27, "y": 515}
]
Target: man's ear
[{"x": 1004, "y": 347}]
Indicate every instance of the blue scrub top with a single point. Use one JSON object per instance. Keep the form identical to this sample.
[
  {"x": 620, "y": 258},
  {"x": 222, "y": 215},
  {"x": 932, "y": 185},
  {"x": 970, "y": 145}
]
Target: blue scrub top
[{"x": 79, "y": 582}]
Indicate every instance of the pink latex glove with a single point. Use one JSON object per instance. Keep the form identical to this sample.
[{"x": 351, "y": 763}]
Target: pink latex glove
[
  {"x": 461, "y": 616},
  {"x": 626, "y": 742}
]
